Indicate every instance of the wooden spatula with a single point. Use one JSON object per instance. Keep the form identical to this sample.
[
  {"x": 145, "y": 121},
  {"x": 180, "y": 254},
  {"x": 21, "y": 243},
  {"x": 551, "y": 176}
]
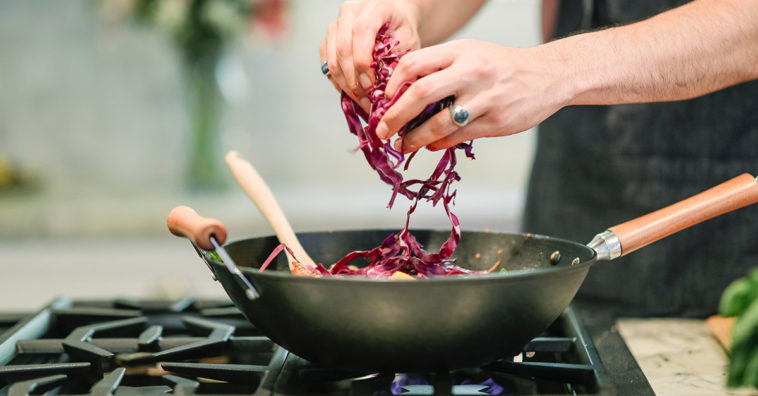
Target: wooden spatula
[{"x": 253, "y": 185}]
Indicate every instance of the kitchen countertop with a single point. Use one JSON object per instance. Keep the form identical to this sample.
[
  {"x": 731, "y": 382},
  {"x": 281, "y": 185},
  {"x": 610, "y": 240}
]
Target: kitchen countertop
[
  {"x": 678, "y": 356},
  {"x": 656, "y": 356}
]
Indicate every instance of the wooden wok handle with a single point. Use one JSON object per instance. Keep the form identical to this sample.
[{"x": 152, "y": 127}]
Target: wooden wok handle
[
  {"x": 255, "y": 188},
  {"x": 183, "y": 221},
  {"x": 726, "y": 197}
]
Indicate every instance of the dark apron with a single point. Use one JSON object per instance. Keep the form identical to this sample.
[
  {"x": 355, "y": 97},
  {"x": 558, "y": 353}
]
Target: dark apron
[{"x": 597, "y": 166}]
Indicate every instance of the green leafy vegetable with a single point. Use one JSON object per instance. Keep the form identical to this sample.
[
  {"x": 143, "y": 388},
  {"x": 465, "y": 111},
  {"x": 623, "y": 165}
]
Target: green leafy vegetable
[
  {"x": 215, "y": 256},
  {"x": 740, "y": 299},
  {"x": 738, "y": 295}
]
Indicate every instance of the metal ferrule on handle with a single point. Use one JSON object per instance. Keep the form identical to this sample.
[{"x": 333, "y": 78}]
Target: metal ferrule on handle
[{"x": 607, "y": 245}]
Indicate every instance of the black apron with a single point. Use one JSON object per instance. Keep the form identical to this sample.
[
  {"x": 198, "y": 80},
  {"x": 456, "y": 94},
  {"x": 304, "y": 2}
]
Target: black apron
[{"x": 597, "y": 166}]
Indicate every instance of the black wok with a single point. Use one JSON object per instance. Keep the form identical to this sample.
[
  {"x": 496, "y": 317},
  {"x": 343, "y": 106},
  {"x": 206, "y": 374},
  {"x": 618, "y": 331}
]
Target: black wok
[{"x": 440, "y": 323}]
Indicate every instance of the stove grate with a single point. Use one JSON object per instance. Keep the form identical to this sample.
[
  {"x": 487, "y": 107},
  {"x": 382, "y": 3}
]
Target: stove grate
[{"x": 194, "y": 347}]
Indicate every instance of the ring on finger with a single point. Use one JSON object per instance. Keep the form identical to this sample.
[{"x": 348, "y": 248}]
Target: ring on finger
[
  {"x": 460, "y": 115},
  {"x": 325, "y": 68}
]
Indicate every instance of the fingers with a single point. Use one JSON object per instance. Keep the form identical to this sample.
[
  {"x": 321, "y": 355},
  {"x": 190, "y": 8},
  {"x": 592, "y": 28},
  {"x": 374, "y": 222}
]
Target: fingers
[
  {"x": 352, "y": 35},
  {"x": 344, "y": 49},
  {"x": 474, "y": 130},
  {"x": 429, "y": 89},
  {"x": 417, "y": 64},
  {"x": 364, "y": 32},
  {"x": 441, "y": 126},
  {"x": 327, "y": 55},
  {"x": 349, "y": 45},
  {"x": 333, "y": 57},
  {"x": 368, "y": 21}
]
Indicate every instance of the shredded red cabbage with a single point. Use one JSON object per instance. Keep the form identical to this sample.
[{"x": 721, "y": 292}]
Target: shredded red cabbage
[{"x": 400, "y": 251}]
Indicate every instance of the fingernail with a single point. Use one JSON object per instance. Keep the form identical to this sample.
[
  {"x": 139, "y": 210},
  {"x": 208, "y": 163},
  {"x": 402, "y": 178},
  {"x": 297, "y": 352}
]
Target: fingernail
[
  {"x": 382, "y": 130},
  {"x": 365, "y": 103},
  {"x": 365, "y": 81},
  {"x": 398, "y": 145}
]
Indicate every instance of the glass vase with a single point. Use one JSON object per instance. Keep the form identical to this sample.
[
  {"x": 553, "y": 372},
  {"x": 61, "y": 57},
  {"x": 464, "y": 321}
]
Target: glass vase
[{"x": 204, "y": 105}]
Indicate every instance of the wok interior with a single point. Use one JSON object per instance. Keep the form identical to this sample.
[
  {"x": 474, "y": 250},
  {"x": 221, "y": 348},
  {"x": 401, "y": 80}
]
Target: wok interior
[{"x": 476, "y": 250}]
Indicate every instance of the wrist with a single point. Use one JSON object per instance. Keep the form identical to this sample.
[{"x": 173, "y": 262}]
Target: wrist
[
  {"x": 583, "y": 76},
  {"x": 562, "y": 83}
]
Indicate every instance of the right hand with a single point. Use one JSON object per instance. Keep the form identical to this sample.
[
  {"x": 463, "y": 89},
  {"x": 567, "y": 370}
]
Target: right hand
[
  {"x": 506, "y": 90},
  {"x": 349, "y": 44}
]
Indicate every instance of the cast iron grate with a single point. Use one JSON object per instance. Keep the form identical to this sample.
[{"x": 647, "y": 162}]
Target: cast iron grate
[
  {"x": 191, "y": 347},
  {"x": 127, "y": 347},
  {"x": 561, "y": 361}
]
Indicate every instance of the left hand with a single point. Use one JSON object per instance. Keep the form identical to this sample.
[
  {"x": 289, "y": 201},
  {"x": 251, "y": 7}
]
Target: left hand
[
  {"x": 506, "y": 90},
  {"x": 349, "y": 43}
]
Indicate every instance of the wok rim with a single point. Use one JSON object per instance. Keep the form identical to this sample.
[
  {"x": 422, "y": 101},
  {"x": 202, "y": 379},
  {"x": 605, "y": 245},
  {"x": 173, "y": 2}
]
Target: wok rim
[{"x": 513, "y": 274}]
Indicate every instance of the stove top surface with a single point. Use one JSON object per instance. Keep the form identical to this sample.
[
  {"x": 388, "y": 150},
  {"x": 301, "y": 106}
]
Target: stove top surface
[{"x": 189, "y": 346}]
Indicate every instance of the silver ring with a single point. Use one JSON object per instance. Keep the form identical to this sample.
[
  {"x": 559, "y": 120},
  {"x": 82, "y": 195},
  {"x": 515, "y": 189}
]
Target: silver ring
[
  {"x": 460, "y": 115},
  {"x": 325, "y": 68}
]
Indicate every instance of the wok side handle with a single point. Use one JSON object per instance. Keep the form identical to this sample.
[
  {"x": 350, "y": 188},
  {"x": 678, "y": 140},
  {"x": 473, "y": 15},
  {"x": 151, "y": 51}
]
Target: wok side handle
[
  {"x": 731, "y": 195},
  {"x": 183, "y": 221},
  {"x": 208, "y": 234}
]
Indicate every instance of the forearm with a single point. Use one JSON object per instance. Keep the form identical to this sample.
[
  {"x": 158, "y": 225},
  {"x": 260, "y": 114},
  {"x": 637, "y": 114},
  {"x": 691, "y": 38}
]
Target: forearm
[
  {"x": 686, "y": 52},
  {"x": 439, "y": 19}
]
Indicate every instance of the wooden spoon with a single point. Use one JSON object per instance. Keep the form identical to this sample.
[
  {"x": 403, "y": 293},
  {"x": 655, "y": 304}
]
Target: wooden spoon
[{"x": 255, "y": 188}]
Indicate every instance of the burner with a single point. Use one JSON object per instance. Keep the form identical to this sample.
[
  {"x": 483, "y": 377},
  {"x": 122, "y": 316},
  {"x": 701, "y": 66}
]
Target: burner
[
  {"x": 561, "y": 361},
  {"x": 190, "y": 347}
]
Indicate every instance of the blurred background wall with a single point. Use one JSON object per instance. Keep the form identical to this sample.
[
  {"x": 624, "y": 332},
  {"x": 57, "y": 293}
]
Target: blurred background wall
[{"x": 93, "y": 125}]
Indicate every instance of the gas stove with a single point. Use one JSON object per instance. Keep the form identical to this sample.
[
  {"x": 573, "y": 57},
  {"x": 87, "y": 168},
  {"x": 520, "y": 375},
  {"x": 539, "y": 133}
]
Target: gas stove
[{"x": 193, "y": 347}]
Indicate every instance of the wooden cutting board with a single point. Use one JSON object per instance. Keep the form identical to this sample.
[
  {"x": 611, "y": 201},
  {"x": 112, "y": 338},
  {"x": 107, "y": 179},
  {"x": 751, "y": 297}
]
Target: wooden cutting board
[{"x": 721, "y": 328}]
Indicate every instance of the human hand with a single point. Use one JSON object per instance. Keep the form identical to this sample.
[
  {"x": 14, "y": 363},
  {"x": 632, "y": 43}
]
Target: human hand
[
  {"x": 349, "y": 43},
  {"x": 506, "y": 90}
]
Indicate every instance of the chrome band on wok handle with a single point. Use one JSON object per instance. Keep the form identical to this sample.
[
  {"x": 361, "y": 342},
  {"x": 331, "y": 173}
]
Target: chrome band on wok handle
[{"x": 607, "y": 245}]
